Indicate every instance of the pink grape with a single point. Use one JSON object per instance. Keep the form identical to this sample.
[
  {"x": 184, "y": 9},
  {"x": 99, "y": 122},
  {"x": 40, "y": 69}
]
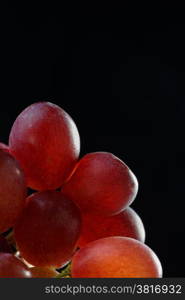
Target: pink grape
[
  {"x": 46, "y": 141},
  {"x": 126, "y": 223},
  {"x": 101, "y": 183},
  {"x": 12, "y": 190},
  {"x": 116, "y": 257},
  {"x": 48, "y": 229}
]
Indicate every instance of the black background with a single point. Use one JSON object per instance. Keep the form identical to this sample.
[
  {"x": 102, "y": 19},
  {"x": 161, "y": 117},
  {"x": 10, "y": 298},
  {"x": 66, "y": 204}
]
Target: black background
[{"x": 121, "y": 77}]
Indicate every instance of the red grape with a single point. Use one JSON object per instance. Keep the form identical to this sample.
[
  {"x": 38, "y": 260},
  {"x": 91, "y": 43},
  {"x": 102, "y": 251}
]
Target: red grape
[
  {"x": 4, "y": 247},
  {"x": 46, "y": 141},
  {"x": 38, "y": 272},
  {"x": 4, "y": 147},
  {"x": 127, "y": 223},
  {"x": 48, "y": 229},
  {"x": 101, "y": 183},
  {"x": 12, "y": 190},
  {"x": 116, "y": 257},
  {"x": 12, "y": 267}
]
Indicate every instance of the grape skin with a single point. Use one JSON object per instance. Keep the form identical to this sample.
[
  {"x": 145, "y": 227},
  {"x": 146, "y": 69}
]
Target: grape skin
[
  {"x": 116, "y": 257},
  {"x": 46, "y": 141},
  {"x": 38, "y": 272},
  {"x": 126, "y": 223},
  {"x": 101, "y": 184},
  {"x": 48, "y": 229},
  {"x": 12, "y": 267},
  {"x": 12, "y": 191}
]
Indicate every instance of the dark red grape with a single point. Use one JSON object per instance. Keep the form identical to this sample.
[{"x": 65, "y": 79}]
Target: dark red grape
[
  {"x": 12, "y": 190},
  {"x": 116, "y": 257},
  {"x": 46, "y": 141},
  {"x": 48, "y": 229},
  {"x": 12, "y": 267},
  {"x": 101, "y": 183},
  {"x": 126, "y": 223}
]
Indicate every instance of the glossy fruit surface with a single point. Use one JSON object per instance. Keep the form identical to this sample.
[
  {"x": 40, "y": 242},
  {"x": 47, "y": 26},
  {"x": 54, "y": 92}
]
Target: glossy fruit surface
[
  {"x": 116, "y": 257},
  {"x": 12, "y": 191},
  {"x": 101, "y": 183},
  {"x": 126, "y": 223},
  {"x": 38, "y": 272},
  {"x": 48, "y": 229},
  {"x": 46, "y": 141},
  {"x": 4, "y": 246},
  {"x": 12, "y": 267}
]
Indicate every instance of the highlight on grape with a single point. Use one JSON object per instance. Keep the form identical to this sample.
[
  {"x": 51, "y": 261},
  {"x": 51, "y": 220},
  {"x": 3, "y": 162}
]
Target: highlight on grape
[{"x": 62, "y": 215}]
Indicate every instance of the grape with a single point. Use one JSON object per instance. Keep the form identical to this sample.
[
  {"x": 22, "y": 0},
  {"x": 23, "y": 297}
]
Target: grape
[
  {"x": 4, "y": 247},
  {"x": 116, "y": 257},
  {"x": 127, "y": 223},
  {"x": 38, "y": 272},
  {"x": 46, "y": 141},
  {"x": 12, "y": 267},
  {"x": 48, "y": 229},
  {"x": 4, "y": 147},
  {"x": 101, "y": 183},
  {"x": 12, "y": 191}
]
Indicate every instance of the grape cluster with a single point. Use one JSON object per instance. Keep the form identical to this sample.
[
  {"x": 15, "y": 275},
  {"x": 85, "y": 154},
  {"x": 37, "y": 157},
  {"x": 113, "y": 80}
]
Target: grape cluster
[{"x": 58, "y": 210}]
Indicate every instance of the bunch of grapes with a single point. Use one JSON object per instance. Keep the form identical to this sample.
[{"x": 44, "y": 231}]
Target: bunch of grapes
[{"x": 60, "y": 212}]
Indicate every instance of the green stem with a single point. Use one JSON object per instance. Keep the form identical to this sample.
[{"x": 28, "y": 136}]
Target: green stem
[{"x": 65, "y": 273}]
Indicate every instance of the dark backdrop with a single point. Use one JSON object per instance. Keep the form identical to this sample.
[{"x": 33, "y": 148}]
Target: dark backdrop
[{"x": 123, "y": 82}]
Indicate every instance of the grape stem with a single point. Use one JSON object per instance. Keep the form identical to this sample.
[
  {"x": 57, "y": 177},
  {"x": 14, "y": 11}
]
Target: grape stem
[{"x": 65, "y": 273}]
